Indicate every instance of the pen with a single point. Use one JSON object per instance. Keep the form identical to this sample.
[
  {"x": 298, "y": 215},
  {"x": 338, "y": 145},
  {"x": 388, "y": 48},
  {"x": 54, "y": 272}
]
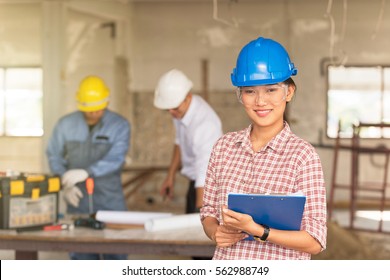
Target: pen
[
  {"x": 58, "y": 227},
  {"x": 47, "y": 228},
  {"x": 166, "y": 194}
]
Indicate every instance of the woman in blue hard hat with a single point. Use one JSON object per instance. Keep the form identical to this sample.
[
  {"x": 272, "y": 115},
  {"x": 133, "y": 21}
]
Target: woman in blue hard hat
[{"x": 265, "y": 157}]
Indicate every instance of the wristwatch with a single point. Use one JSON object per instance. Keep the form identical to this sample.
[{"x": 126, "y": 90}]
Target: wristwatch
[{"x": 264, "y": 237}]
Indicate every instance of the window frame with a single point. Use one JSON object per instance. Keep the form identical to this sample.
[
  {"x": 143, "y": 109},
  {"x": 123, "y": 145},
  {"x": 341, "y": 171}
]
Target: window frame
[
  {"x": 3, "y": 97},
  {"x": 382, "y": 87}
]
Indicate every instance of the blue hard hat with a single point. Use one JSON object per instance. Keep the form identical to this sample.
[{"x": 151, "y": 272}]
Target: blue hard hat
[{"x": 261, "y": 62}]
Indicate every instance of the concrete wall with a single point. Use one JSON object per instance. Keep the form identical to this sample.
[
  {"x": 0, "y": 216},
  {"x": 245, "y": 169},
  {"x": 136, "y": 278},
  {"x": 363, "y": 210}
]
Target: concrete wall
[
  {"x": 183, "y": 35},
  {"x": 155, "y": 36},
  {"x": 20, "y": 45}
]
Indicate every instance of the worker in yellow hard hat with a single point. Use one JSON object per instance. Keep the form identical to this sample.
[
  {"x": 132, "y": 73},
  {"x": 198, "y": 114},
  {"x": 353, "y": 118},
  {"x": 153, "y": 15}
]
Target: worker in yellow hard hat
[
  {"x": 91, "y": 142},
  {"x": 92, "y": 99}
]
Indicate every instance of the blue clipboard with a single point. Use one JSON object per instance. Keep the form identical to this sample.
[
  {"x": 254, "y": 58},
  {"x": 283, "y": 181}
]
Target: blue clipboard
[{"x": 282, "y": 212}]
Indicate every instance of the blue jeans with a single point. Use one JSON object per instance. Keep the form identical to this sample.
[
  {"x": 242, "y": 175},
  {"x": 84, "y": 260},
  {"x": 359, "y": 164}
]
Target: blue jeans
[{"x": 94, "y": 256}]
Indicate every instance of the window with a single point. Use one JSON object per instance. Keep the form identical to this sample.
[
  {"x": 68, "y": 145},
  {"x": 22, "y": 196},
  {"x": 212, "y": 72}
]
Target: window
[
  {"x": 21, "y": 102},
  {"x": 358, "y": 95}
]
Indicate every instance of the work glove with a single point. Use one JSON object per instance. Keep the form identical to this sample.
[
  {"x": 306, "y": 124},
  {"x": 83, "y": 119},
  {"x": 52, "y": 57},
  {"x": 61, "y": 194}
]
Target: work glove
[
  {"x": 73, "y": 176},
  {"x": 69, "y": 179},
  {"x": 72, "y": 195}
]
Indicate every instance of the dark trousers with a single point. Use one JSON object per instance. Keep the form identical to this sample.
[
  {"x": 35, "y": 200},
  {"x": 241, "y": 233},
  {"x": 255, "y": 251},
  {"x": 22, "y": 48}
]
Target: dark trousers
[{"x": 191, "y": 199}]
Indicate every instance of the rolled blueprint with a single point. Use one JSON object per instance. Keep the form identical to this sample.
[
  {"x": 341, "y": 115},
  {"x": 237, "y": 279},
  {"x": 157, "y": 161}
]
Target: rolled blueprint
[
  {"x": 173, "y": 222},
  {"x": 128, "y": 217}
]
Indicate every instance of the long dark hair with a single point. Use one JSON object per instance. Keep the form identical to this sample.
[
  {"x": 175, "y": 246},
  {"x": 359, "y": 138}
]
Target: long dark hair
[{"x": 289, "y": 82}]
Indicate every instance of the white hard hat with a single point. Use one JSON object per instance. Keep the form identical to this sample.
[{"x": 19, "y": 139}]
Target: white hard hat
[{"x": 172, "y": 89}]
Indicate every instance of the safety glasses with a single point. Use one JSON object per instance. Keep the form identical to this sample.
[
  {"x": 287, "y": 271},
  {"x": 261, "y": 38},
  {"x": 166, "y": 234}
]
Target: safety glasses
[{"x": 273, "y": 94}]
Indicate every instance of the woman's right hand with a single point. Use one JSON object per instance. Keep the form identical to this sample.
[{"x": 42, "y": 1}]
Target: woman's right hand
[
  {"x": 225, "y": 236},
  {"x": 166, "y": 189}
]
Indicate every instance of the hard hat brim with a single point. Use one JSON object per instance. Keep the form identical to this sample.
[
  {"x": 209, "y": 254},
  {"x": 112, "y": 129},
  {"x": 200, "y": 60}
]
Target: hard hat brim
[
  {"x": 167, "y": 104},
  {"x": 92, "y": 108}
]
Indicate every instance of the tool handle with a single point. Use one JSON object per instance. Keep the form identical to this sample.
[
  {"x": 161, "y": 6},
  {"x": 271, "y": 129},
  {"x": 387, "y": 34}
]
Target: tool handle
[
  {"x": 89, "y": 184},
  {"x": 89, "y": 222}
]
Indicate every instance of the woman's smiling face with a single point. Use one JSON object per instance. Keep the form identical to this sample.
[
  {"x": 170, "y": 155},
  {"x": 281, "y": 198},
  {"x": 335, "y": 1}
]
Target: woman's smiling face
[{"x": 265, "y": 105}]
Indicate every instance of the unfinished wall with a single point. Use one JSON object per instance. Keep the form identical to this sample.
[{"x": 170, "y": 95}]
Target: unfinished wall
[
  {"x": 20, "y": 46},
  {"x": 182, "y": 35},
  {"x": 155, "y": 36}
]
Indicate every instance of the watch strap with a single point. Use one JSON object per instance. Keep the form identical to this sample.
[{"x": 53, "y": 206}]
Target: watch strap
[{"x": 264, "y": 237}]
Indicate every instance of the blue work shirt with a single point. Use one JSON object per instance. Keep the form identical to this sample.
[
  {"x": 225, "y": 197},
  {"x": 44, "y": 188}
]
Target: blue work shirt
[{"x": 100, "y": 151}]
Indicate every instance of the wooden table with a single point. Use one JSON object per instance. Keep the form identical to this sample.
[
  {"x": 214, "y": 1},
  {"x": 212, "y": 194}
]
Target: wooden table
[{"x": 184, "y": 242}]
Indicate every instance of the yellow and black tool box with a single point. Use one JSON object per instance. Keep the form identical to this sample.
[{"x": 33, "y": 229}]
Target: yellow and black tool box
[{"x": 28, "y": 200}]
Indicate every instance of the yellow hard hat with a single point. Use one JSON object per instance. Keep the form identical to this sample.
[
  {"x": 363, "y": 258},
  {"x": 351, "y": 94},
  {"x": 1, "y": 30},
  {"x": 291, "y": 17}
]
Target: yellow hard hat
[{"x": 93, "y": 94}]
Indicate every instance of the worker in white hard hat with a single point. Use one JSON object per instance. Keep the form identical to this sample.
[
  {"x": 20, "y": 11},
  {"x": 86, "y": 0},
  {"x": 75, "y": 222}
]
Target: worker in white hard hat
[
  {"x": 91, "y": 142},
  {"x": 197, "y": 128}
]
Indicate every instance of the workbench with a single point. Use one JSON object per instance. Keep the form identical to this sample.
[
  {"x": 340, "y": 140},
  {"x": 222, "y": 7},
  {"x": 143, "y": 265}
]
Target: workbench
[{"x": 183, "y": 242}]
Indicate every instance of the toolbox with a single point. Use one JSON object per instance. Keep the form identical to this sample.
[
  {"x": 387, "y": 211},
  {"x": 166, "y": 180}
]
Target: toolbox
[{"x": 28, "y": 200}]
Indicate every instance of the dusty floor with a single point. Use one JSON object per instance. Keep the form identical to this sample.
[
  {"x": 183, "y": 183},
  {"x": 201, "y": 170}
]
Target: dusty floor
[{"x": 343, "y": 244}]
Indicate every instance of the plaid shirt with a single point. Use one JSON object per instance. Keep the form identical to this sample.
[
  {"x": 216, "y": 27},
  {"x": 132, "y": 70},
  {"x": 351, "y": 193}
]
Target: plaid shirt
[{"x": 287, "y": 164}]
